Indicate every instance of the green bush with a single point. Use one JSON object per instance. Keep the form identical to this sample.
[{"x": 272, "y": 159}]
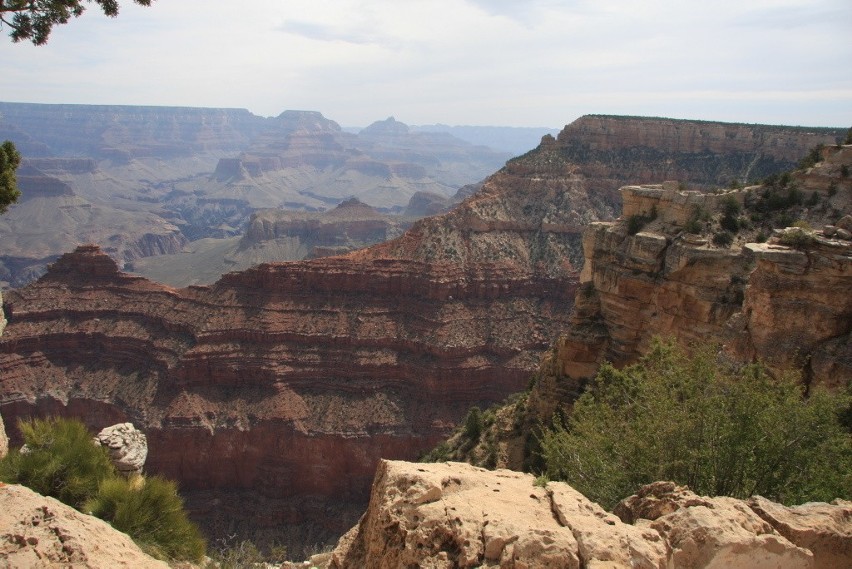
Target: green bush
[
  {"x": 687, "y": 419},
  {"x": 473, "y": 424},
  {"x": 60, "y": 461},
  {"x": 797, "y": 238},
  {"x": 151, "y": 512},
  {"x": 723, "y": 239}
]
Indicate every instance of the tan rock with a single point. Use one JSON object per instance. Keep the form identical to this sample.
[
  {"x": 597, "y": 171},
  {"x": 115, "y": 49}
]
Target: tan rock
[
  {"x": 712, "y": 532},
  {"x": 41, "y": 532},
  {"x": 457, "y": 515},
  {"x": 824, "y": 529},
  {"x": 605, "y": 541}
]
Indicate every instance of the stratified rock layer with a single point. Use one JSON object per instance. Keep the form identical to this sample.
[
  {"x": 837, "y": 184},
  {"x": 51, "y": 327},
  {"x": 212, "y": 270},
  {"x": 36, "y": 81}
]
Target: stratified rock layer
[
  {"x": 785, "y": 305},
  {"x": 454, "y": 515}
]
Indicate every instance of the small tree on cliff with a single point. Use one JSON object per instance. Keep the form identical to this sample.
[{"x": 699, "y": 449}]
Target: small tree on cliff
[
  {"x": 721, "y": 432},
  {"x": 34, "y": 21},
  {"x": 10, "y": 159}
]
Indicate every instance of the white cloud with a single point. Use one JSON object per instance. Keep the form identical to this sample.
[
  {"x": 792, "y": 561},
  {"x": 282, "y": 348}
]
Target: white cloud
[{"x": 537, "y": 62}]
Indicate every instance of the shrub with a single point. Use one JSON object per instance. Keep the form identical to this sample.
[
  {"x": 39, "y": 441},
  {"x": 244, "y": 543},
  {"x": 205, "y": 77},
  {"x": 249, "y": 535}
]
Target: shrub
[
  {"x": 761, "y": 237},
  {"x": 719, "y": 431},
  {"x": 723, "y": 239},
  {"x": 729, "y": 223},
  {"x": 812, "y": 200},
  {"x": 844, "y": 171},
  {"x": 797, "y": 238},
  {"x": 473, "y": 424},
  {"x": 60, "y": 461},
  {"x": 151, "y": 512},
  {"x": 812, "y": 158}
]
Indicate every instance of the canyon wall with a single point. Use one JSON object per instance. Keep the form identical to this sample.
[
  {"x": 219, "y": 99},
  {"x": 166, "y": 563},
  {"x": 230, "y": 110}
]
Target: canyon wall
[
  {"x": 271, "y": 394},
  {"x": 782, "y": 304}
]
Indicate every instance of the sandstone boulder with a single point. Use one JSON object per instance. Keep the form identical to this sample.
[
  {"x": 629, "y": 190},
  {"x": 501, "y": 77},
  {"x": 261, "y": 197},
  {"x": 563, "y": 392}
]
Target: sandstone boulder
[
  {"x": 711, "y": 532},
  {"x": 37, "y": 531},
  {"x": 454, "y": 515},
  {"x": 457, "y": 515},
  {"x": 127, "y": 446},
  {"x": 824, "y": 529}
]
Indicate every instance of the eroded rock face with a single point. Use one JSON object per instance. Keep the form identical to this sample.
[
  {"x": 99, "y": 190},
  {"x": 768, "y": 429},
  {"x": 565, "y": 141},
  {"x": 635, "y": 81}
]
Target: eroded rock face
[
  {"x": 455, "y": 515},
  {"x": 784, "y": 305},
  {"x": 127, "y": 447},
  {"x": 37, "y": 531}
]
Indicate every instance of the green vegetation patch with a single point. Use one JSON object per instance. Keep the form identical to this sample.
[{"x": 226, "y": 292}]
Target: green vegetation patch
[
  {"x": 61, "y": 460},
  {"x": 719, "y": 431}
]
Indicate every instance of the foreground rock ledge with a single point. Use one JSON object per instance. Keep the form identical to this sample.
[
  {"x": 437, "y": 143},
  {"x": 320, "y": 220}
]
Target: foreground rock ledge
[
  {"x": 456, "y": 515},
  {"x": 37, "y": 531}
]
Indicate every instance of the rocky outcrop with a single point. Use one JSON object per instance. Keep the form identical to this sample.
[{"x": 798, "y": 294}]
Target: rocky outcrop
[
  {"x": 351, "y": 225},
  {"x": 127, "y": 447},
  {"x": 456, "y": 515},
  {"x": 615, "y": 151},
  {"x": 769, "y": 301},
  {"x": 37, "y": 531}
]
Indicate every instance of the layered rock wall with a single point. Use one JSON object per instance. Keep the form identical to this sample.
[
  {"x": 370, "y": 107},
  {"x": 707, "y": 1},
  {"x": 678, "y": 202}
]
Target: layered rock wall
[{"x": 785, "y": 305}]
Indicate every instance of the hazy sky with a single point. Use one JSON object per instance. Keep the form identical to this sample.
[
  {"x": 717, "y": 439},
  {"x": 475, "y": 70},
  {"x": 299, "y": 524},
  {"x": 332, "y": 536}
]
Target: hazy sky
[{"x": 482, "y": 62}]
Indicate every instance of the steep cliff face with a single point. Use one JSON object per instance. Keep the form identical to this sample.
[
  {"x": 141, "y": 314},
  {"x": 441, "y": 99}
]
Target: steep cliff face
[
  {"x": 125, "y": 132},
  {"x": 616, "y": 151},
  {"x": 783, "y": 304},
  {"x": 285, "y": 383}
]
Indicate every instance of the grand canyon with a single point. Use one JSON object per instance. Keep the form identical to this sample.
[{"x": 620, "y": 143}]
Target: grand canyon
[{"x": 272, "y": 393}]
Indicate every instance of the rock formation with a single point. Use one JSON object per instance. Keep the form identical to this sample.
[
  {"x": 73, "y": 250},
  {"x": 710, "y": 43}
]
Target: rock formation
[
  {"x": 271, "y": 394},
  {"x": 127, "y": 447},
  {"x": 142, "y": 181},
  {"x": 456, "y": 515},
  {"x": 766, "y": 301},
  {"x": 38, "y": 531}
]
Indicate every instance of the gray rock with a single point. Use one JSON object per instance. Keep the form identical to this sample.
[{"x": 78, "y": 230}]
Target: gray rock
[
  {"x": 843, "y": 234},
  {"x": 845, "y": 222},
  {"x": 829, "y": 230},
  {"x": 127, "y": 446}
]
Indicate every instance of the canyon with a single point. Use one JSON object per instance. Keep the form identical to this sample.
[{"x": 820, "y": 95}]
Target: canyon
[
  {"x": 272, "y": 393},
  {"x": 147, "y": 181}
]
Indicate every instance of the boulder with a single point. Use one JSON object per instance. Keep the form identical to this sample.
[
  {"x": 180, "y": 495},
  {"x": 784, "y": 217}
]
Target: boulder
[
  {"x": 127, "y": 446},
  {"x": 37, "y": 531},
  {"x": 711, "y": 532},
  {"x": 824, "y": 529},
  {"x": 457, "y": 515}
]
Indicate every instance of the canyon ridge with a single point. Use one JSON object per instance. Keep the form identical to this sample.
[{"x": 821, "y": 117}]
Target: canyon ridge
[{"x": 272, "y": 394}]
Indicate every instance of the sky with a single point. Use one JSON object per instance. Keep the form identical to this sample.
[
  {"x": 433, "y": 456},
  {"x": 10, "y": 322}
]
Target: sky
[{"x": 458, "y": 62}]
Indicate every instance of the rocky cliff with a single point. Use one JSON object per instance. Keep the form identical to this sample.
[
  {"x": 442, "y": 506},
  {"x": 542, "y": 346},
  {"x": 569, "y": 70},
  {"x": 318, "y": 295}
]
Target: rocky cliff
[
  {"x": 454, "y": 515},
  {"x": 272, "y": 394},
  {"x": 780, "y": 301},
  {"x": 718, "y": 268},
  {"x": 616, "y": 151}
]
